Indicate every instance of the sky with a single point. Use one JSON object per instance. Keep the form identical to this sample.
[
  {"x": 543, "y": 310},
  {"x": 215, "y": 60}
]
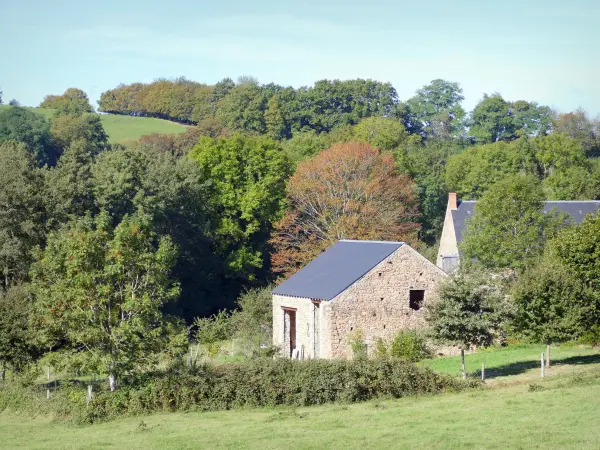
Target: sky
[{"x": 535, "y": 50}]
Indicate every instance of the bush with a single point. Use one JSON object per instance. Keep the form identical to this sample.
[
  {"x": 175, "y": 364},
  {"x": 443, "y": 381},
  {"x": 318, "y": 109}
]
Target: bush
[
  {"x": 591, "y": 336},
  {"x": 410, "y": 346},
  {"x": 261, "y": 382}
]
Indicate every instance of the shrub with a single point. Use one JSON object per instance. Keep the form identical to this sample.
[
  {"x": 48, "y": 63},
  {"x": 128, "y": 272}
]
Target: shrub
[
  {"x": 409, "y": 345},
  {"x": 591, "y": 336},
  {"x": 358, "y": 344},
  {"x": 255, "y": 383}
]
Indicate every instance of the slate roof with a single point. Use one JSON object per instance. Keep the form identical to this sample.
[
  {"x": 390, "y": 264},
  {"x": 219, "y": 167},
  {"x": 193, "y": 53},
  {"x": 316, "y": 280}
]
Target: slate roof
[
  {"x": 337, "y": 268},
  {"x": 576, "y": 209}
]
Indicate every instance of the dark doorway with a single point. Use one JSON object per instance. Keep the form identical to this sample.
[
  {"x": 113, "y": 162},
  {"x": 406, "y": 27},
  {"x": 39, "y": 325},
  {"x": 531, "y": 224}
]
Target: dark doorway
[
  {"x": 317, "y": 329},
  {"x": 292, "y": 315}
]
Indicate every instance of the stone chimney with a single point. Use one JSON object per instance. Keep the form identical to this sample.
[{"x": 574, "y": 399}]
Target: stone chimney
[{"x": 452, "y": 200}]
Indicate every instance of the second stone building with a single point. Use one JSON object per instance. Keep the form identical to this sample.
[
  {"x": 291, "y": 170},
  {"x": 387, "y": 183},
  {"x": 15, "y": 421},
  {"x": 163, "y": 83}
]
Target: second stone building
[{"x": 370, "y": 289}]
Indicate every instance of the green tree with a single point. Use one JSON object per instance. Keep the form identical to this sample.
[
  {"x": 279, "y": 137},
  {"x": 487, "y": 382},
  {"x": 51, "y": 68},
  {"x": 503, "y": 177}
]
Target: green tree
[
  {"x": 67, "y": 129},
  {"x": 22, "y": 213},
  {"x": 381, "y": 132},
  {"x": 252, "y": 321},
  {"x": 494, "y": 119},
  {"x": 100, "y": 292},
  {"x": 21, "y": 125},
  {"x": 509, "y": 226},
  {"x": 469, "y": 311},
  {"x": 577, "y": 248},
  {"x": 577, "y": 125},
  {"x": 436, "y": 111},
  {"x": 212, "y": 331},
  {"x": 0, "y": 96},
  {"x": 247, "y": 187},
  {"x": 243, "y": 109},
  {"x": 426, "y": 163},
  {"x": 472, "y": 172},
  {"x": 17, "y": 339},
  {"x": 73, "y": 102},
  {"x": 275, "y": 122},
  {"x": 69, "y": 185},
  {"x": 551, "y": 304}
]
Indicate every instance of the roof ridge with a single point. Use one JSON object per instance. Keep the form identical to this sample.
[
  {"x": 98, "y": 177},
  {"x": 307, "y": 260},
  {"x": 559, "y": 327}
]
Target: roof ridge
[{"x": 372, "y": 242}]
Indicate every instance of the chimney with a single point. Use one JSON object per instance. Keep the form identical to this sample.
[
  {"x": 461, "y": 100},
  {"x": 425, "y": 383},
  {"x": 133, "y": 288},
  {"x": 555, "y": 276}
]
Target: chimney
[{"x": 452, "y": 201}]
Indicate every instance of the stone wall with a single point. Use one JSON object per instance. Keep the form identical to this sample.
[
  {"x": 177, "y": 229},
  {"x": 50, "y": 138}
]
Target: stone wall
[
  {"x": 307, "y": 313},
  {"x": 378, "y": 303}
]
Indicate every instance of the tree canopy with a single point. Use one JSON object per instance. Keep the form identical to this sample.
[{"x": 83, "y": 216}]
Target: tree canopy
[
  {"x": 509, "y": 226},
  {"x": 350, "y": 191}
]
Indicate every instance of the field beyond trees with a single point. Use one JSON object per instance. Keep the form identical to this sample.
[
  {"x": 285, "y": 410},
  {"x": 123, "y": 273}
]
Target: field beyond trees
[{"x": 124, "y": 130}]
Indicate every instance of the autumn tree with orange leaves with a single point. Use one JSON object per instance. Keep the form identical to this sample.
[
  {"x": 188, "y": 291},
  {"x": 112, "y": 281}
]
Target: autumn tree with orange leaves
[{"x": 350, "y": 191}]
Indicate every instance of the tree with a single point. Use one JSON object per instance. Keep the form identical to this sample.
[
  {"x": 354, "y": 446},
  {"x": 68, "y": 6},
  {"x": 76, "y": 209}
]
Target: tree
[
  {"x": 243, "y": 109},
  {"x": 21, "y": 125},
  {"x": 247, "y": 186},
  {"x": 495, "y": 119},
  {"x": 17, "y": 340},
  {"x": 578, "y": 126},
  {"x": 21, "y": 212},
  {"x": 509, "y": 226},
  {"x": 252, "y": 321},
  {"x": 469, "y": 312},
  {"x": 350, "y": 191},
  {"x": 66, "y": 129},
  {"x": 69, "y": 185},
  {"x": 435, "y": 110},
  {"x": 472, "y": 172},
  {"x": 14, "y": 102},
  {"x": 426, "y": 162},
  {"x": 552, "y": 305},
  {"x": 0, "y": 96},
  {"x": 73, "y": 102},
  {"x": 381, "y": 132},
  {"x": 100, "y": 292},
  {"x": 577, "y": 248}
]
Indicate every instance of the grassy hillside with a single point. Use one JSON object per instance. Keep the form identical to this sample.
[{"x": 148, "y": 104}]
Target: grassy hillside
[
  {"x": 125, "y": 129},
  {"x": 557, "y": 413}
]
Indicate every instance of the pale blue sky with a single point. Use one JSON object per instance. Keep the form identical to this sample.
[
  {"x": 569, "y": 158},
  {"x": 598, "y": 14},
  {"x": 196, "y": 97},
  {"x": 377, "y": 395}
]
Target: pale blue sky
[{"x": 542, "y": 50}]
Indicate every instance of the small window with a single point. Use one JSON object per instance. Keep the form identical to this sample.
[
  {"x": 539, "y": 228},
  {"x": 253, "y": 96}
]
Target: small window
[
  {"x": 379, "y": 273},
  {"x": 416, "y": 299},
  {"x": 381, "y": 298}
]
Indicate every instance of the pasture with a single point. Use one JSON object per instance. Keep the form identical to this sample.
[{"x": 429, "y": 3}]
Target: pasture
[
  {"x": 521, "y": 411},
  {"x": 556, "y": 413},
  {"x": 124, "y": 130}
]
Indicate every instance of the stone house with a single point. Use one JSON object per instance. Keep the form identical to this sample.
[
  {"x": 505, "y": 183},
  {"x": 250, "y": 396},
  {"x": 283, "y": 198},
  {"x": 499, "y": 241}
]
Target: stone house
[
  {"x": 375, "y": 288},
  {"x": 458, "y": 213}
]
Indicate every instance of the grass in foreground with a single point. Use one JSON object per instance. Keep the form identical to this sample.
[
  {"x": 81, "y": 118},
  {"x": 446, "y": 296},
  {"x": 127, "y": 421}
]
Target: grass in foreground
[
  {"x": 560, "y": 413},
  {"x": 124, "y": 130}
]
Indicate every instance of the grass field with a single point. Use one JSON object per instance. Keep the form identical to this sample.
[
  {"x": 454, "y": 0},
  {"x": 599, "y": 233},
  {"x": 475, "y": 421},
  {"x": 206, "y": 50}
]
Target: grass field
[
  {"x": 503, "y": 364},
  {"x": 522, "y": 411},
  {"x": 125, "y": 130},
  {"x": 562, "y": 412}
]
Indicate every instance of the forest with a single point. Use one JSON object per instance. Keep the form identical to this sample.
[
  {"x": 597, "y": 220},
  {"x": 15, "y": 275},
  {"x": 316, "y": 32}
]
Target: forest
[{"x": 108, "y": 251}]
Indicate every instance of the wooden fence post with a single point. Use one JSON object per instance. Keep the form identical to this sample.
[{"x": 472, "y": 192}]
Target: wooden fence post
[
  {"x": 542, "y": 365},
  {"x": 89, "y": 394},
  {"x": 483, "y": 372}
]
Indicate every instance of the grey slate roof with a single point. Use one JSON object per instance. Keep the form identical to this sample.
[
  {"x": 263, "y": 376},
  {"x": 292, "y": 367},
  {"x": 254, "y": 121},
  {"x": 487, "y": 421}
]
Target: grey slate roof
[
  {"x": 337, "y": 268},
  {"x": 576, "y": 209}
]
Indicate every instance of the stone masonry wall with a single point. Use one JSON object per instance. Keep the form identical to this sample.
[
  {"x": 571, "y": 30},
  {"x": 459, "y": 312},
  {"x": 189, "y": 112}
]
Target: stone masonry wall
[
  {"x": 378, "y": 303},
  {"x": 305, "y": 325}
]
